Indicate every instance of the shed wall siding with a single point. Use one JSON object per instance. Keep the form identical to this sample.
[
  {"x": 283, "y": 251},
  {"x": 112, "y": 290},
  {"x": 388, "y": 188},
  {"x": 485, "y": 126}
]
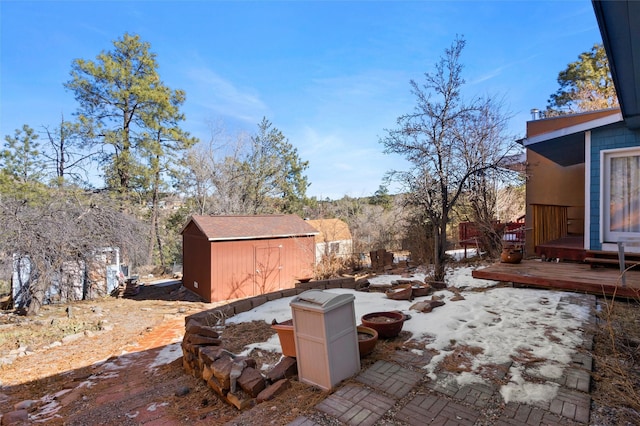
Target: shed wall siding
[
  {"x": 233, "y": 266},
  {"x": 196, "y": 261}
]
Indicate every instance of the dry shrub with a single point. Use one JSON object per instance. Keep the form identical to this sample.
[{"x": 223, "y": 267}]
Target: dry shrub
[
  {"x": 617, "y": 358},
  {"x": 331, "y": 266},
  {"x": 526, "y": 357},
  {"x": 461, "y": 359}
]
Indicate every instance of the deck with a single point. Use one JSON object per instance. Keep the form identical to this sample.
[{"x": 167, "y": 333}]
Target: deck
[
  {"x": 570, "y": 247},
  {"x": 569, "y": 276}
]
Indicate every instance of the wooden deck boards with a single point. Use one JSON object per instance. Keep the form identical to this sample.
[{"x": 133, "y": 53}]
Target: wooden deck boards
[
  {"x": 570, "y": 247},
  {"x": 577, "y": 277}
]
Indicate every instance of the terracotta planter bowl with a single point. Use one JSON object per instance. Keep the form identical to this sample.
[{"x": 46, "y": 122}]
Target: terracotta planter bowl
[
  {"x": 367, "y": 339},
  {"x": 387, "y": 324}
]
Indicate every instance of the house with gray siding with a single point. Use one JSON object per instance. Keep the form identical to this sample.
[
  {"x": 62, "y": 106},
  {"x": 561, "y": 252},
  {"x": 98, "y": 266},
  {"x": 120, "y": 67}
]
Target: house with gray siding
[{"x": 583, "y": 170}]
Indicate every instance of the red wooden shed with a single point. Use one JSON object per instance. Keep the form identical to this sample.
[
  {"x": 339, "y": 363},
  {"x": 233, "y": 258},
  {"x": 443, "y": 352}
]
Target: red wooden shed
[{"x": 231, "y": 257}]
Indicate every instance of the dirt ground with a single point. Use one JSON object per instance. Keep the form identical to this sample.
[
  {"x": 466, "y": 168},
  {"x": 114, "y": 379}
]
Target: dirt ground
[
  {"x": 98, "y": 333},
  {"x": 33, "y": 365}
]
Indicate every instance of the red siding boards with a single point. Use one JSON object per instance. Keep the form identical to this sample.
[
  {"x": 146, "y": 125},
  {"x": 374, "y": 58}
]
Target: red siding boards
[{"x": 268, "y": 253}]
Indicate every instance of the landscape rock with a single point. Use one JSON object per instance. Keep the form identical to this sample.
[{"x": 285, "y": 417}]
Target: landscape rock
[
  {"x": 438, "y": 285},
  {"x": 217, "y": 386},
  {"x": 274, "y": 390},
  {"x": 426, "y": 306},
  {"x": 241, "y": 401},
  {"x": 208, "y": 354},
  {"x": 24, "y": 405},
  {"x": 251, "y": 381},
  {"x": 197, "y": 339},
  {"x": 287, "y": 367},
  {"x": 182, "y": 391},
  {"x": 17, "y": 417},
  {"x": 196, "y": 328},
  {"x": 221, "y": 369}
]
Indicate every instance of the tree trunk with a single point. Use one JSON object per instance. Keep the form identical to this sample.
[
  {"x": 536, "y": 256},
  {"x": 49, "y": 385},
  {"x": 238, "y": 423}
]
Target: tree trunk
[
  {"x": 439, "y": 251},
  {"x": 154, "y": 221},
  {"x": 154, "y": 237},
  {"x": 159, "y": 241},
  {"x": 36, "y": 296}
]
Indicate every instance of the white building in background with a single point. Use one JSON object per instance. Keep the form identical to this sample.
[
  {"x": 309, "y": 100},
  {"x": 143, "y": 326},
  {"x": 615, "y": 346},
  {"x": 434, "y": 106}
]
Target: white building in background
[
  {"x": 334, "y": 238},
  {"x": 76, "y": 280}
]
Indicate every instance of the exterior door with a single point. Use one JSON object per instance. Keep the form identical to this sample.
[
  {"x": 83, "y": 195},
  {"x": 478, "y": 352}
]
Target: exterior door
[{"x": 267, "y": 269}]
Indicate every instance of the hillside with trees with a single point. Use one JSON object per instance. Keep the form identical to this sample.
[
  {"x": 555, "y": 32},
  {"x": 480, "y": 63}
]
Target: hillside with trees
[{"x": 124, "y": 173}]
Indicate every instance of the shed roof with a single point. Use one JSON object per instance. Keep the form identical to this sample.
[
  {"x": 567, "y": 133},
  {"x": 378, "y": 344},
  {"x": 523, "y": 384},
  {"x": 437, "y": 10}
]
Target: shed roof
[
  {"x": 330, "y": 230},
  {"x": 219, "y": 228}
]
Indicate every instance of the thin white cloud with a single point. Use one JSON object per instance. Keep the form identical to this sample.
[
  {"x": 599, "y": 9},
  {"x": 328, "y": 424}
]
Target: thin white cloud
[
  {"x": 368, "y": 85},
  {"x": 222, "y": 97},
  {"x": 495, "y": 72}
]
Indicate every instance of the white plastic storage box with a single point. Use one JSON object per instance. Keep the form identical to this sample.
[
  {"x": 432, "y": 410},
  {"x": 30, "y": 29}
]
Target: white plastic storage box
[{"x": 326, "y": 337}]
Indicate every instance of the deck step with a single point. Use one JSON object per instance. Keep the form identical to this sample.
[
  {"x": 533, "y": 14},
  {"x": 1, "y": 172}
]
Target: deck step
[
  {"x": 610, "y": 258},
  {"x": 602, "y": 260},
  {"x": 600, "y": 254}
]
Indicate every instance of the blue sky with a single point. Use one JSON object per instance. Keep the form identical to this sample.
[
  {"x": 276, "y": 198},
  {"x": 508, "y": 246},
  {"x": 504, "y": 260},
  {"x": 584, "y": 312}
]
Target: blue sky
[{"x": 331, "y": 75}]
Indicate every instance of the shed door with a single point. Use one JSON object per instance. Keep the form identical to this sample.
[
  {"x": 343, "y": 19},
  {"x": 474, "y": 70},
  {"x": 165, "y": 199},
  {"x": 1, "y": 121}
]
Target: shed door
[{"x": 267, "y": 268}]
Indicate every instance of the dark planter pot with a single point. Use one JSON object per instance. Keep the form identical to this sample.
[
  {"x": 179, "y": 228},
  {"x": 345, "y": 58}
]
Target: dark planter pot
[
  {"x": 367, "y": 339},
  {"x": 387, "y": 324},
  {"x": 511, "y": 255}
]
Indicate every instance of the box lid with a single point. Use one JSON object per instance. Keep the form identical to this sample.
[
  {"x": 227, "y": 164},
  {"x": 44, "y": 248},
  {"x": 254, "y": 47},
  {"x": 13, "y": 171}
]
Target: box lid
[{"x": 321, "y": 300}]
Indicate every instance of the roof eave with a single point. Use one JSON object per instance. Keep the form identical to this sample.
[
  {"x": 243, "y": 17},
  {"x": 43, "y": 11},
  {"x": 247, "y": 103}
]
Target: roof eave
[
  {"x": 578, "y": 128},
  {"x": 262, "y": 237},
  {"x": 619, "y": 26},
  {"x": 566, "y": 146}
]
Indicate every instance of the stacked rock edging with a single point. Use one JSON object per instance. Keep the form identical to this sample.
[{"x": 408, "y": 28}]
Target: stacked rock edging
[{"x": 235, "y": 378}]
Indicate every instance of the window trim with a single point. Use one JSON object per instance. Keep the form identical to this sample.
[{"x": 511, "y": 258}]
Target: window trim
[{"x": 607, "y": 236}]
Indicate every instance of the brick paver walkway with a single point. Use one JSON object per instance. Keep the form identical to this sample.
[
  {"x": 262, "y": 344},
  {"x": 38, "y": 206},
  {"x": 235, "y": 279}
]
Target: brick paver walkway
[{"x": 356, "y": 405}]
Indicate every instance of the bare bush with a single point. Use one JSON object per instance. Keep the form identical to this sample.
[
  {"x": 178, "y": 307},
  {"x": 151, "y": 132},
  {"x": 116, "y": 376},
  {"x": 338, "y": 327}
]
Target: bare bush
[
  {"x": 60, "y": 227},
  {"x": 331, "y": 266},
  {"x": 617, "y": 359}
]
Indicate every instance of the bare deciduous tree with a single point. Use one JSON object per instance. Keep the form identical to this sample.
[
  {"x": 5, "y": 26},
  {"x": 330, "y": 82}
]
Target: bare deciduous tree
[
  {"x": 448, "y": 140},
  {"x": 260, "y": 174}
]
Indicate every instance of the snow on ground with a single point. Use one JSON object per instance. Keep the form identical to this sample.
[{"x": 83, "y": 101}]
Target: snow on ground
[
  {"x": 458, "y": 254},
  {"x": 167, "y": 355},
  {"x": 504, "y": 323}
]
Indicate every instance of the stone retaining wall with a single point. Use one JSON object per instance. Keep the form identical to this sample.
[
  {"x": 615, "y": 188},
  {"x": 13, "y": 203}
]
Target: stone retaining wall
[{"x": 235, "y": 379}]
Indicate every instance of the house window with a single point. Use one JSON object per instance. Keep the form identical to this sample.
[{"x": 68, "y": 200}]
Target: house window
[
  {"x": 621, "y": 194},
  {"x": 334, "y": 248}
]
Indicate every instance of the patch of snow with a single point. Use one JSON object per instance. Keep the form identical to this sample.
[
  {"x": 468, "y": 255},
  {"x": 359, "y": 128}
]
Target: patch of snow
[
  {"x": 154, "y": 406},
  {"x": 519, "y": 390},
  {"x": 167, "y": 355},
  {"x": 506, "y": 324},
  {"x": 458, "y": 254},
  {"x": 163, "y": 282}
]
